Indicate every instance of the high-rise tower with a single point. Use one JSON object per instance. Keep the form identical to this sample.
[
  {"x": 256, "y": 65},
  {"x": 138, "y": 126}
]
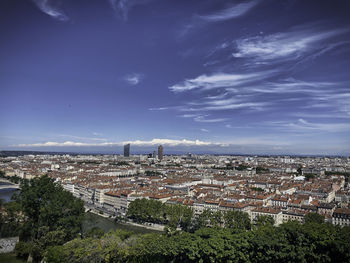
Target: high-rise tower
[
  {"x": 127, "y": 150},
  {"x": 160, "y": 152}
]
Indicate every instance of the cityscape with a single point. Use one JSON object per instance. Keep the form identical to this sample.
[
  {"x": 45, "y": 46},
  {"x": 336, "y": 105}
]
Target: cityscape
[
  {"x": 284, "y": 187},
  {"x": 174, "y": 131}
]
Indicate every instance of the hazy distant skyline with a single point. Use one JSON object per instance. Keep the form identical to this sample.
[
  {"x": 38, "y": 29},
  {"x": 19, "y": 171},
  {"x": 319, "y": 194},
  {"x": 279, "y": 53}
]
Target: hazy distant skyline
[{"x": 250, "y": 77}]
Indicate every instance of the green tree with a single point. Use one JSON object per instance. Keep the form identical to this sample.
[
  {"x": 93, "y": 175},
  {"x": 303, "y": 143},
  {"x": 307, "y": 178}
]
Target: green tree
[
  {"x": 216, "y": 219},
  {"x": 173, "y": 214},
  {"x": 56, "y": 254},
  {"x": 50, "y": 213},
  {"x": 202, "y": 220},
  {"x": 242, "y": 167},
  {"x": 314, "y": 218},
  {"x": 179, "y": 215},
  {"x": 340, "y": 247},
  {"x": 264, "y": 220},
  {"x": 221, "y": 245},
  {"x": 309, "y": 176},
  {"x": 237, "y": 220},
  {"x": 10, "y": 219},
  {"x": 112, "y": 247},
  {"x": 261, "y": 170},
  {"x": 186, "y": 219},
  {"x": 23, "y": 249},
  {"x": 299, "y": 170},
  {"x": 143, "y": 210},
  {"x": 95, "y": 232},
  {"x": 154, "y": 211},
  {"x": 267, "y": 244},
  {"x": 290, "y": 242}
]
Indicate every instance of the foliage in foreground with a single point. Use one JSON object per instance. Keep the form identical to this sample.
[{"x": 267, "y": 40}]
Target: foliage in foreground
[
  {"x": 10, "y": 219},
  {"x": 10, "y": 258},
  {"x": 49, "y": 216},
  {"x": 52, "y": 218},
  {"x": 153, "y": 211},
  {"x": 175, "y": 215},
  {"x": 290, "y": 242}
]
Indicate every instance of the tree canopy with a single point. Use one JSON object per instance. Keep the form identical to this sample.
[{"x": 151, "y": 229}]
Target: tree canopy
[
  {"x": 264, "y": 220},
  {"x": 51, "y": 215},
  {"x": 290, "y": 242},
  {"x": 52, "y": 221},
  {"x": 154, "y": 211},
  {"x": 46, "y": 205},
  {"x": 314, "y": 218}
]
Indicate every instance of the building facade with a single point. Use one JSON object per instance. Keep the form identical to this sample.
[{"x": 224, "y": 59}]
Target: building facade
[
  {"x": 160, "y": 152},
  {"x": 127, "y": 150}
]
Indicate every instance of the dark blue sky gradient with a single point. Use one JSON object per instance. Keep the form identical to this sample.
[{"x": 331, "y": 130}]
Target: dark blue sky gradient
[{"x": 225, "y": 76}]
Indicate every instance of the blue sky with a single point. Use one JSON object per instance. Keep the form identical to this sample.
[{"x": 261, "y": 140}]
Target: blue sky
[{"x": 253, "y": 77}]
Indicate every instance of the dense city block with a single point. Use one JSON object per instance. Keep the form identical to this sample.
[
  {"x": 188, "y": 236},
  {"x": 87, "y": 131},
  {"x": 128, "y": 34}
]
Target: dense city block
[{"x": 281, "y": 187}]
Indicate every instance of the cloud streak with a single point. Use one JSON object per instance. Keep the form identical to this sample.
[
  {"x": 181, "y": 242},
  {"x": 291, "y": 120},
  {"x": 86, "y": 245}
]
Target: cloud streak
[
  {"x": 260, "y": 91},
  {"x": 290, "y": 45},
  {"x": 133, "y": 79},
  {"x": 302, "y": 125},
  {"x": 233, "y": 11},
  {"x": 153, "y": 142},
  {"x": 123, "y": 7},
  {"x": 83, "y": 138},
  {"x": 164, "y": 142},
  {"x": 204, "y": 119},
  {"x": 51, "y": 8},
  {"x": 219, "y": 80}
]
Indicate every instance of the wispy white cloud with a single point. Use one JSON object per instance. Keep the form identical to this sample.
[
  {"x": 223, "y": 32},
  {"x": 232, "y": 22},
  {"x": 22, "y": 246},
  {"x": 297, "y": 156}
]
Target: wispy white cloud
[
  {"x": 123, "y": 7},
  {"x": 189, "y": 115},
  {"x": 233, "y": 11},
  {"x": 302, "y": 125},
  {"x": 204, "y": 119},
  {"x": 258, "y": 140},
  {"x": 97, "y": 134},
  {"x": 219, "y": 80},
  {"x": 171, "y": 142},
  {"x": 159, "y": 108},
  {"x": 330, "y": 115},
  {"x": 257, "y": 106},
  {"x": 51, "y": 8},
  {"x": 286, "y": 45},
  {"x": 134, "y": 78},
  {"x": 230, "y": 102},
  {"x": 249, "y": 85},
  {"x": 61, "y": 144},
  {"x": 337, "y": 99},
  {"x": 204, "y": 130},
  {"x": 219, "y": 47},
  {"x": 82, "y": 138},
  {"x": 230, "y": 12},
  {"x": 292, "y": 85},
  {"x": 164, "y": 142},
  {"x": 153, "y": 142},
  {"x": 244, "y": 92}
]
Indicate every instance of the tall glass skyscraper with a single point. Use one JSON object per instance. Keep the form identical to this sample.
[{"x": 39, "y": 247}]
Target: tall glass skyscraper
[
  {"x": 127, "y": 150},
  {"x": 160, "y": 152}
]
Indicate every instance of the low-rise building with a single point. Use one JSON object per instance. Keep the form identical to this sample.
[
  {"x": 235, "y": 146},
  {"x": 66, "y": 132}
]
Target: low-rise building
[
  {"x": 276, "y": 214},
  {"x": 341, "y": 217}
]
